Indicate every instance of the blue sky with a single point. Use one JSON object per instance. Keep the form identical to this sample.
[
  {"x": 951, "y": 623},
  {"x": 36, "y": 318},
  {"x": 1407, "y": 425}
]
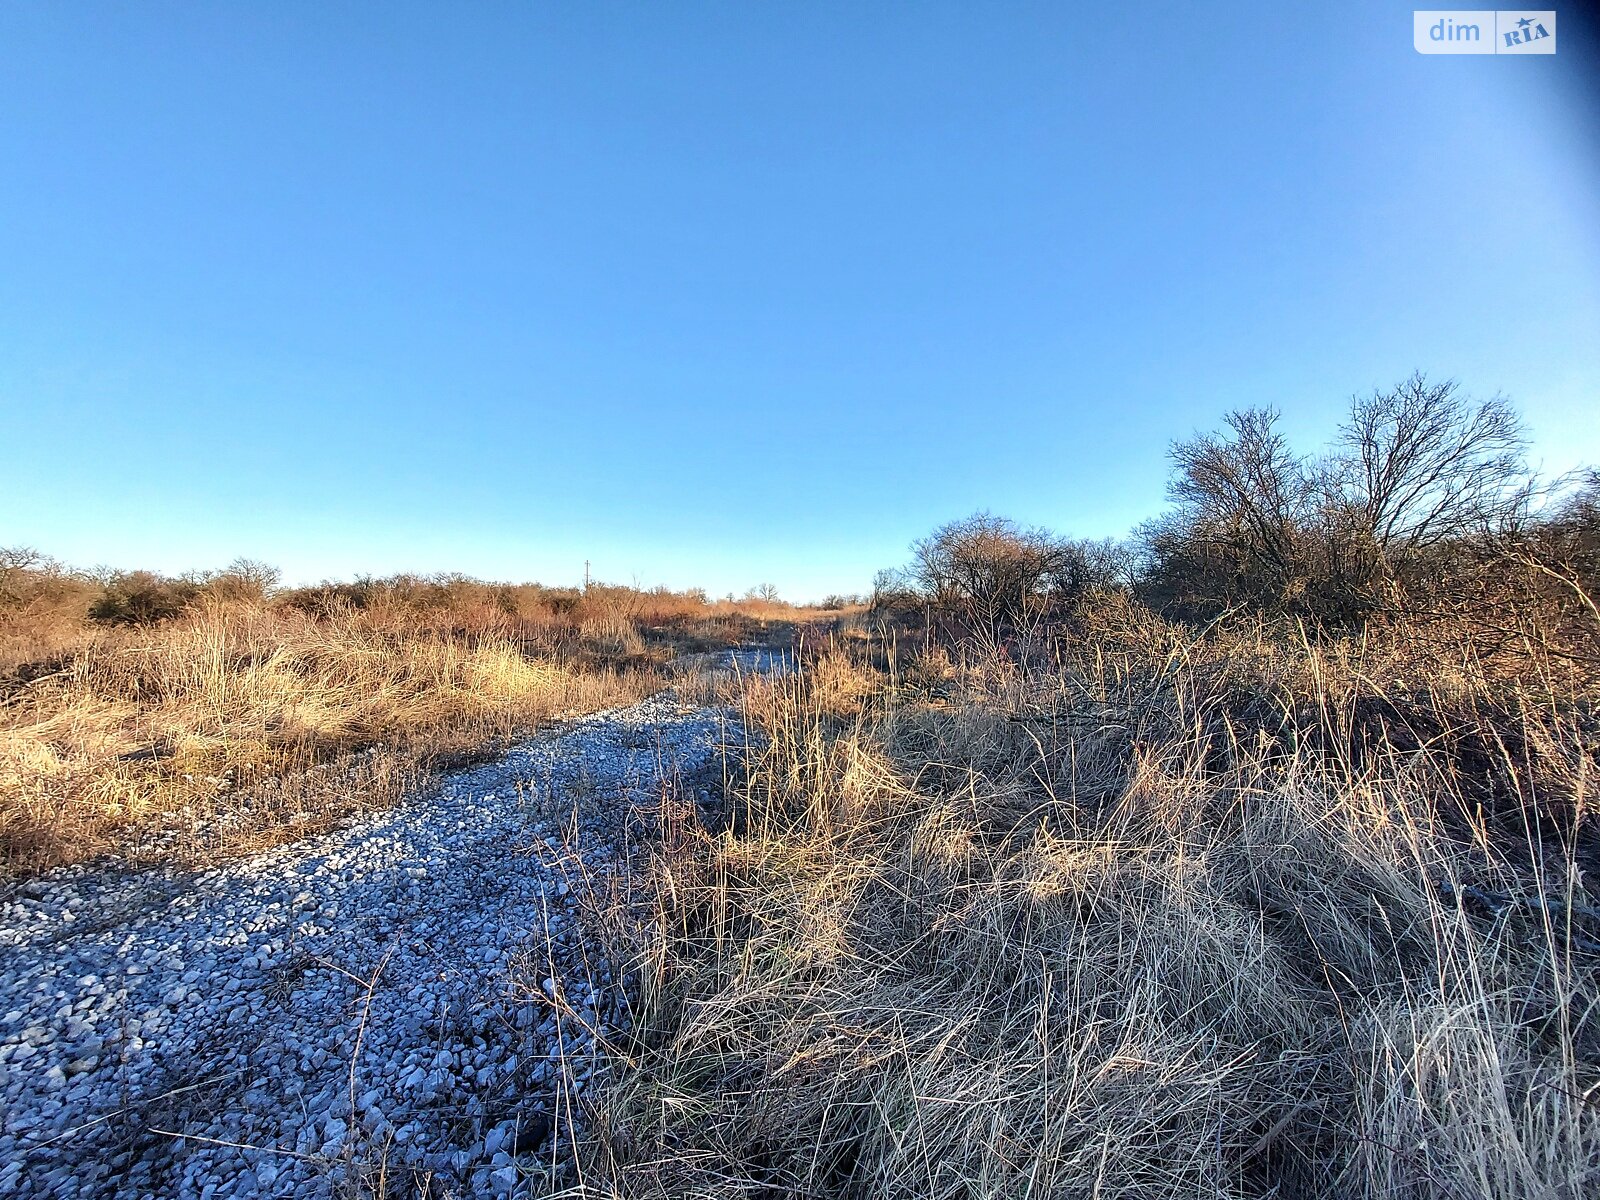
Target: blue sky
[{"x": 724, "y": 293}]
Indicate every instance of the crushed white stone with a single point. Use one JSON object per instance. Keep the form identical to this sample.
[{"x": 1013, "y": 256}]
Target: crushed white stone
[{"x": 413, "y": 991}]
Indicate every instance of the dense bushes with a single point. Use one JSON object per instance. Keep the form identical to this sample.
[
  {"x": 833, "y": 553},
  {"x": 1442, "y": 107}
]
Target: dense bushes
[
  {"x": 142, "y": 598},
  {"x": 991, "y": 579}
]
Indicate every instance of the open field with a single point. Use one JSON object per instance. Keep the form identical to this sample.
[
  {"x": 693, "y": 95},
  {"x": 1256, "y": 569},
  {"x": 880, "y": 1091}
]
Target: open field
[
  {"x": 1108, "y": 702},
  {"x": 205, "y": 719},
  {"x": 1254, "y": 856}
]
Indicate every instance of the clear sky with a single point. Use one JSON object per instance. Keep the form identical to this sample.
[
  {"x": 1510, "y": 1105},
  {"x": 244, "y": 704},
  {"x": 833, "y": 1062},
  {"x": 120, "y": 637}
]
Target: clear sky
[{"x": 730, "y": 293}]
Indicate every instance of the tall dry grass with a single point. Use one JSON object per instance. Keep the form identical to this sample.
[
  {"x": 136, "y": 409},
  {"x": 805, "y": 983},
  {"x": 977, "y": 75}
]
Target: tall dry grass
[
  {"x": 165, "y": 717},
  {"x": 1160, "y": 915},
  {"x": 238, "y": 725}
]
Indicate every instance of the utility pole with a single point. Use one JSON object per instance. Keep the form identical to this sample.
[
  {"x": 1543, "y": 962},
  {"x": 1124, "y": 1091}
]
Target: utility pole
[{"x": 586, "y": 574}]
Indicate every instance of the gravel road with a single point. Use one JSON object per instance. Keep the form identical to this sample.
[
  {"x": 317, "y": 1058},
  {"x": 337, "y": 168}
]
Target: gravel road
[{"x": 411, "y": 994}]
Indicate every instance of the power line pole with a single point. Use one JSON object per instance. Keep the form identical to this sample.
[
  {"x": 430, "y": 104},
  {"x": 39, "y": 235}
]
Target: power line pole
[{"x": 586, "y": 574}]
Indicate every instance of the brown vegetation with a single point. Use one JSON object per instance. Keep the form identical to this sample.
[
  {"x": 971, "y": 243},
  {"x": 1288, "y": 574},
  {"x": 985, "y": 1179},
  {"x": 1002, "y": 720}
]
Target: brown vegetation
[
  {"x": 1255, "y": 859},
  {"x": 1415, "y": 476},
  {"x": 163, "y": 718},
  {"x": 1147, "y": 912}
]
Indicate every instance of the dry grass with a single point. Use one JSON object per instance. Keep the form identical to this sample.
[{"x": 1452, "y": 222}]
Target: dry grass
[
  {"x": 1160, "y": 916},
  {"x": 1140, "y": 912},
  {"x": 245, "y": 719},
  {"x": 236, "y": 726}
]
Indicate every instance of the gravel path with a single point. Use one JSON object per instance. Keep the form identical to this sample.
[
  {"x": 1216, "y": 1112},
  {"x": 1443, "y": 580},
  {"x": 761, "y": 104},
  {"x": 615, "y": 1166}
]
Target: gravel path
[{"x": 410, "y": 995}]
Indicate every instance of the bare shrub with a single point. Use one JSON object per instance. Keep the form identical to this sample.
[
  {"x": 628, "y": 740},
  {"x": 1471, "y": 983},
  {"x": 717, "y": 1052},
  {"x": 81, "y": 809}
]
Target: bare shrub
[
  {"x": 1417, "y": 476},
  {"x": 1245, "y": 503},
  {"x": 243, "y": 581},
  {"x": 1420, "y": 465},
  {"x": 993, "y": 579},
  {"x": 142, "y": 598},
  {"x": 43, "y": 610}
]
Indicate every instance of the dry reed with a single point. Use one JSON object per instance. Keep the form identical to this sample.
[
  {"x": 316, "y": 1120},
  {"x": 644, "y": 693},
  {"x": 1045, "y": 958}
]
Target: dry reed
[{"x": 1159, "y": 916}]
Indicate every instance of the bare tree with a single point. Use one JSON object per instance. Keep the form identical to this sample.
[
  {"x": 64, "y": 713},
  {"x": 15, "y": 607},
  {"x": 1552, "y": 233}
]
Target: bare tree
[
  {"x": 989, "y": 571},
  {"x": 1243, "y": 499},
  {"x": 20, "y": 558},
  {"x": 1414, "y": 469},
  {"x": 15, "y": 564},
  {"x": 1421, "y": 464},
  {"x": 247, "y": 579}
]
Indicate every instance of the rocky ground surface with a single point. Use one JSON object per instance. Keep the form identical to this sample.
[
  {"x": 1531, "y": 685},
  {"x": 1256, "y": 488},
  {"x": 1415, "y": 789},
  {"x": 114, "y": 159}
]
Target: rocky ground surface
[{"x": 408, "y": 1006}]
